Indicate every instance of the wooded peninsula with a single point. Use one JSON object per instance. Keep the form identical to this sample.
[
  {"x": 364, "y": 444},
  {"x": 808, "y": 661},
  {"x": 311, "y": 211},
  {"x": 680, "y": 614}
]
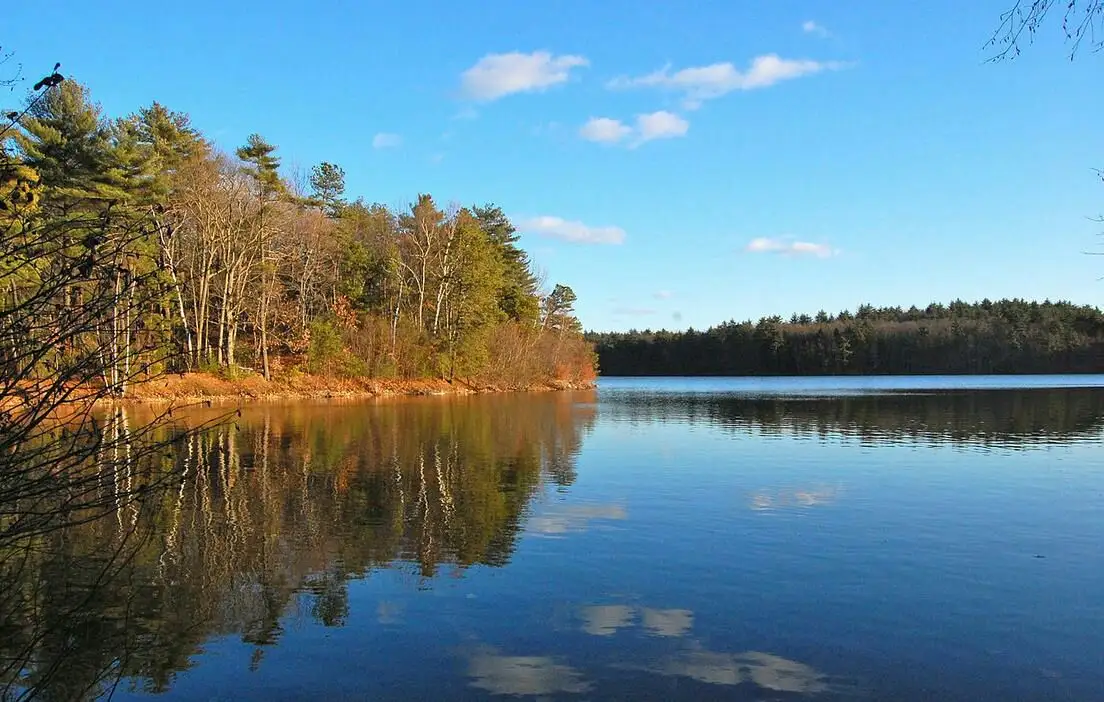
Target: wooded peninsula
[
  {"x": 133, "y": 249},
  {"x": 1008, "y": 336}
]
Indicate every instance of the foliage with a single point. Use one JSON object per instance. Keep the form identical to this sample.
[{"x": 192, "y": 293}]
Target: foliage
[
  {"x": 1009, "y": 336},
  {"x": 325, "y": 346},
  {"x": 328, "y": 186},
  {"x": 237, "y": 268}
]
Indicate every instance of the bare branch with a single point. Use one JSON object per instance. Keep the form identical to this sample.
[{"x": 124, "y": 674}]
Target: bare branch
[{"x": 1083, "y": 20}]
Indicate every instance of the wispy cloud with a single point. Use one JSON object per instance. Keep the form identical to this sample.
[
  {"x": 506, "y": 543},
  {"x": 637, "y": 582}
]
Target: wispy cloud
[
  {"x": 663, "y": 294},
  {"x": 386, "y": 140},
  {"x": 789, "y": 247},
  {"x": 497, "y": 75},
  {"x": 545, "y": 128},
  {"x": 467, "y": 113},
  {"x": 571, "y": 230},
  {"x": 648, "y": 127},
  {"x": 812, "y": 27},
  {"x": 700, "y": 83}
]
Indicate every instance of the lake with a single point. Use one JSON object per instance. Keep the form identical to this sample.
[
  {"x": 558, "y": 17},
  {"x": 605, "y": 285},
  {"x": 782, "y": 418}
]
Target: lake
[{"x": 666, "y": 539}]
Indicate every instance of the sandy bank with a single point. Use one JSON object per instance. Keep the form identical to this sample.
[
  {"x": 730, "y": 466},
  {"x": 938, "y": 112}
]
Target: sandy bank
[{"x": 198, "y": 387}]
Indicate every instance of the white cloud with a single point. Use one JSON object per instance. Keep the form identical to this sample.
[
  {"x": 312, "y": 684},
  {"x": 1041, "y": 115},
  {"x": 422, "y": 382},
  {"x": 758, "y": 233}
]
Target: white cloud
[
  {"x": 573, "y": 231},
  {"x": 604, "y": 130},
  {"x": 384, "y": 140},
  {"x": 811, "y": 27},
  {"x": 660, "y": 125},
  {"x": 498, "y": 75},
  {"x": 701, "y": 83},
  {"x": 648, "y": 127},
  {"x": 663, "y": 295},
  {"x": 789, "y": 247}
]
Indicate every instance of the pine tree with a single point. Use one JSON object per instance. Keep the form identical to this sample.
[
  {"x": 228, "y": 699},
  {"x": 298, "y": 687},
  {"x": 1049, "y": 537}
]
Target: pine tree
[
  {"x": 68, "y": 143},
  {"x": 518, "y": 295},
  {"x": 167, "y": 140},
  {"x": 328, "y": 186},
  {"x": 263, "y": 166},
  {"x": 558, "y": 310}
]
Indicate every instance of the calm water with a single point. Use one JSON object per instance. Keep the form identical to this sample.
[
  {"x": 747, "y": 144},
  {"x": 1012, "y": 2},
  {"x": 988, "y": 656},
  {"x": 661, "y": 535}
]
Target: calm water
[{"x": 775, "y": 539}]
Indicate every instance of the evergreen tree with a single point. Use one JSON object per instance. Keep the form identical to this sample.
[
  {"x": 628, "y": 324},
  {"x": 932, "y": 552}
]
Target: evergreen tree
[
  {"x": 328, "y": 186},
  {"x": 169, "y": 140},
  {"x": 558, "y": 310},
  {"x": 263, "y": 166},
  {"x": 65, "y": 139},
  {"x": 517, "y": 297}
]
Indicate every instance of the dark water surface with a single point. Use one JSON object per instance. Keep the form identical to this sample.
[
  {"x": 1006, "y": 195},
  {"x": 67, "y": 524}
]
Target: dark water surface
[{"x": 769, "y": 539}]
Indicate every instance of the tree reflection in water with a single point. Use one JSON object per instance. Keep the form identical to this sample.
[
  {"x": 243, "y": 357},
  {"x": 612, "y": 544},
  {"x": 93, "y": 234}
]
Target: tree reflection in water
[
  {"x": 281, "y": 507},
  {"x": 1021, "y": 418}
]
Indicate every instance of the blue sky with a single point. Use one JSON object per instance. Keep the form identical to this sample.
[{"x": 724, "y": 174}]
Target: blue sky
[{"x": 677, "y": 164}]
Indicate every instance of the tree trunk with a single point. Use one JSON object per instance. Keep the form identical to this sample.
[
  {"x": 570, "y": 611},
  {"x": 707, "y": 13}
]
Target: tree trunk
[
  {"x": 127, "y": 338},
  {"x": 264, "y": 328},
  {"x": 114, "y": 343},
  {"x": 395, "y": 316},
  {"x": 225, "y": 321}
]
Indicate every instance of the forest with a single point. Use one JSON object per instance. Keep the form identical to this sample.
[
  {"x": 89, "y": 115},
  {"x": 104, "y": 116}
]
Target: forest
[
  {"x": 131, "y": 246},
  {"x": 1007, "y": 336}
]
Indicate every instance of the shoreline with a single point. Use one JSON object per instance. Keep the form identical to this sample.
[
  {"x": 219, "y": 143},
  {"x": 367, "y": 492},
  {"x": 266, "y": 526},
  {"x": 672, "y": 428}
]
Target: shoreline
[{"x": 204, "y": 387}]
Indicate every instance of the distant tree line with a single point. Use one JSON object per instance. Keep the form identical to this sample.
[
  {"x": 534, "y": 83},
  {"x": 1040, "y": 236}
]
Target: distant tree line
[
  {"x": 1008, "y": 336},
  {"x": 183, "y": 257}
]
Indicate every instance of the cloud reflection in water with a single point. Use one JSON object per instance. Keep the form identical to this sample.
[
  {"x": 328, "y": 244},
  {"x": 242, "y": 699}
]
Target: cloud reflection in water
[
  {"x": 523, "y": 675},
  {"x": 763, "y": 670},
  {"x": 790, "y": 498},
  {"x": 573, "y": 518},
  {"x": 605, "y": 620},
  {"x": 668, "y": 622}
]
